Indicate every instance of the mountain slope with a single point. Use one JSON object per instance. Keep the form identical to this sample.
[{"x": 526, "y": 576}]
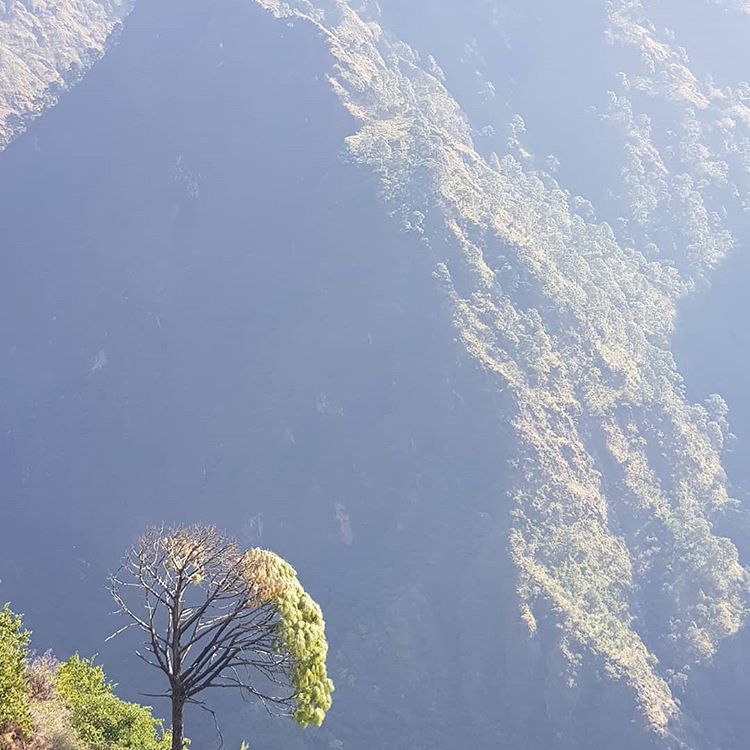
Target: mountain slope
[
  {"x": 429, "y": 373},
  {"x": 619, "y": 477},
  {"x": 44, "y": 47}
]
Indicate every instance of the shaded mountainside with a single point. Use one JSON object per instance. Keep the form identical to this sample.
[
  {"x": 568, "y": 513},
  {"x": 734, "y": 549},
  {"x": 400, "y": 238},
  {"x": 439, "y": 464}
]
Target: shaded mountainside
[{"x": 339, "y": 293}]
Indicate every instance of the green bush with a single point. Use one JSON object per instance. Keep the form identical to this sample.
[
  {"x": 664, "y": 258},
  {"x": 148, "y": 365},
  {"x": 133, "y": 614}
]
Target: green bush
[
  {"x": 101, "y": 720},
  {"x": 14, "y": 689}
]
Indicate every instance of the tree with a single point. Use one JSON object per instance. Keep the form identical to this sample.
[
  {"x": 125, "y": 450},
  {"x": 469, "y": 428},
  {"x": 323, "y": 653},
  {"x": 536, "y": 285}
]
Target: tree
[
  {"x": 215, "y": 617},
  {"x": 14, "y": 688}
]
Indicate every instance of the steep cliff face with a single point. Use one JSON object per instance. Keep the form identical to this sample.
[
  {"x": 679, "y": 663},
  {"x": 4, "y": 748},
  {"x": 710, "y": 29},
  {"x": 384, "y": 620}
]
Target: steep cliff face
[
  {"x": 321, "y": 272},
  {"x": 44, "y": 47}
]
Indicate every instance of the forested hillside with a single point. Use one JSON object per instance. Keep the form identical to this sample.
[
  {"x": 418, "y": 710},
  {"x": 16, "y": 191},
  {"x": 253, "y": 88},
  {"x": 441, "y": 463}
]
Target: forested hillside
[{"x": 443, "y": 301}]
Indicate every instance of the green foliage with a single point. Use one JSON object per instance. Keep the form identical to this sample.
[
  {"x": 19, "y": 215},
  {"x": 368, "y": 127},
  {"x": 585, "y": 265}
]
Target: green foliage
[
  {"x": 69, "y": 706},
  {"x": 301, "y": 631},
  {"x": 101, "y": 720},
  {"x": 14, "y": 689}
]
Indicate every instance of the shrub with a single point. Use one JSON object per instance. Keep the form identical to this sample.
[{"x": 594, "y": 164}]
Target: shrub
[
  {"x": 53, "y": 728},
  {"x": 42, "y": 676},
  {"x": 101, "y": 720},
  {"x": 15, "y": 714}
]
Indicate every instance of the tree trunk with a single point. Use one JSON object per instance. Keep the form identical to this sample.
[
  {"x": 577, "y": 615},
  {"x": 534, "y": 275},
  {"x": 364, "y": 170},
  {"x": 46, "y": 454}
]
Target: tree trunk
[{"x": 178, "y": 706}]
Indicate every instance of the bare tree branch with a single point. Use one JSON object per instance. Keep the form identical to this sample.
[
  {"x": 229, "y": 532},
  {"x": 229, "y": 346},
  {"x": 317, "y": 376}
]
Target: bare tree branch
[{"x": 184, "y": 589}]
